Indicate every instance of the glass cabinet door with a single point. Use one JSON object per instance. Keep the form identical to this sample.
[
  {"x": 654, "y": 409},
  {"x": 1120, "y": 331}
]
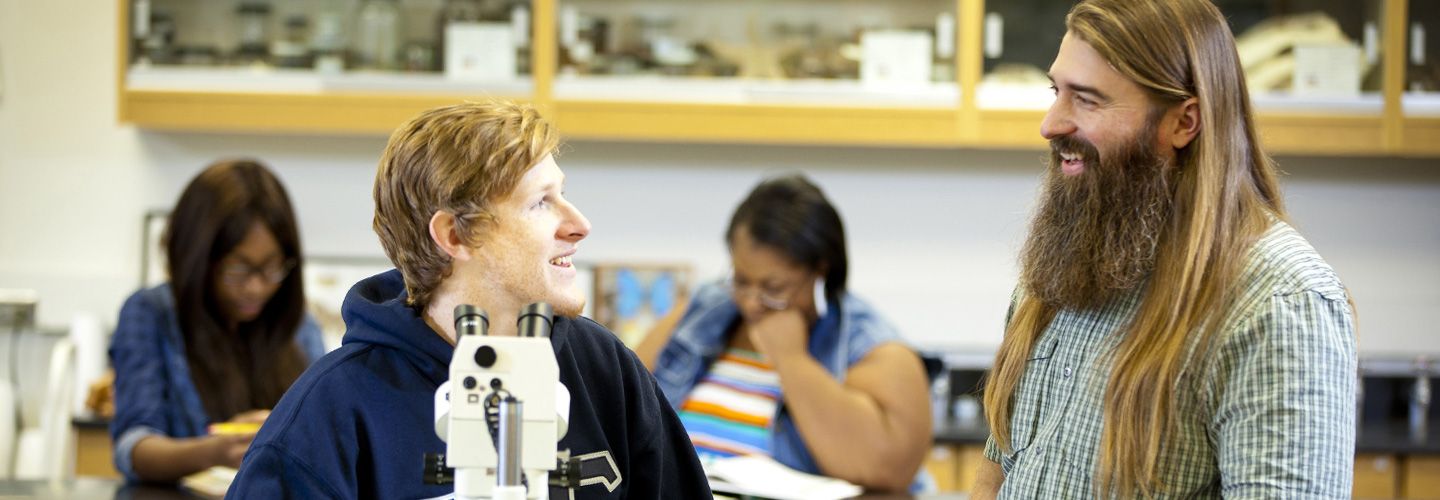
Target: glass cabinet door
[
  {"x": 1299, "y": 55},
  {"x": 1319, "y": 56},
  {"x": 1422, "y": 60},
  {"x": 788, "y": 52},
  {"x": 1019, "y": 42},
  {"x": 322, "y": 46}
]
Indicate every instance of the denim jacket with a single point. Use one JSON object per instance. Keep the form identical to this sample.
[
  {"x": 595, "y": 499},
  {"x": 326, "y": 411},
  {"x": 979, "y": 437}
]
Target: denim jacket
[
  {"x": 154, "y": 394},
  {"x": 845, "y": 335}
]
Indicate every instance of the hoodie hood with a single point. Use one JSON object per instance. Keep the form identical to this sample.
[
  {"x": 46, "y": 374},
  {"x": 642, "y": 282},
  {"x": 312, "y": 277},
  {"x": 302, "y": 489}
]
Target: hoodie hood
[{"x": 375, "y": 313}]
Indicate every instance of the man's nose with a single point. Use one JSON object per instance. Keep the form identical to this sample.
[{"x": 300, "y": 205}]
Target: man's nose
[
  {"x": 575, "y": 227},
  {"x": 1057, "y": 121}
]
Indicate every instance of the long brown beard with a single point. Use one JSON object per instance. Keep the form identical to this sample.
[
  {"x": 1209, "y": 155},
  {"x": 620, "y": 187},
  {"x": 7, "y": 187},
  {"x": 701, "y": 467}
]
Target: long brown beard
[{"x": 1095, "y": 235}]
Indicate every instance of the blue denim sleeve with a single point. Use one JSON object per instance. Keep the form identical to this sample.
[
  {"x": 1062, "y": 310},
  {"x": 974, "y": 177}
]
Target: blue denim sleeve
[
  {"x": 311, "y": 340},
  {"x": 137, "y": 354},
  {"x": 868, "y": 330}
]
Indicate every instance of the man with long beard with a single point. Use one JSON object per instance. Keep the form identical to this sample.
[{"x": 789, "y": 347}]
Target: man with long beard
[{"x": 1172, "y": 336}]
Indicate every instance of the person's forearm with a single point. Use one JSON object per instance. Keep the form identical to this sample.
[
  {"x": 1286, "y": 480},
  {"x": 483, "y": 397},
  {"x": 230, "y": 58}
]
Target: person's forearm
[
  {"x": 659, "y": 336},
  {"x": 164, "y": 459},
  {"x": 848, "y": 433},
  {"x": 988, "y": 480}
]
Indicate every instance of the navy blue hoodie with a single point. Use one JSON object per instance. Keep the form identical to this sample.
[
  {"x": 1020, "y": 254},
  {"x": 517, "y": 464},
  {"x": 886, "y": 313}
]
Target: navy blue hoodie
[{"x": 358, "y": 422}]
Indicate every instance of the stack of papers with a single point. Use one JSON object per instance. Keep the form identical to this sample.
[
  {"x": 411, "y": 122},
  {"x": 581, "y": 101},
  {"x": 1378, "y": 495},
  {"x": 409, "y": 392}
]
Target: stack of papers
[
  {"x": 744, "y": 476},
  {"x": 763, "y": 477},
  {"x": 210, "y": 483}
]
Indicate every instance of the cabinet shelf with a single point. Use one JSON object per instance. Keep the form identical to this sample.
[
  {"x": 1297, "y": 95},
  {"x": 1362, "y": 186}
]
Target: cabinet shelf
[
  {"x": 812, "y": 92},
  {"x": 1422, "y": 136},
  {"x": 1366, "y": 104},
  {"x": 969, "y": 110},
  {"x": 268, "y": 80},
  {"x": 1421, "y": 104},
  {"x": 758, "y": 123},
  {"x": 364, "y": 114},
  {"x": 1280, "y": 133},
  {"x": 1013, "y": 97},
  {"x": 992, "y": 96}
]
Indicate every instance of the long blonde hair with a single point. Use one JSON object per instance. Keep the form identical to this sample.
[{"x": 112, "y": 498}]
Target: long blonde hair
[{"x": 1226, "y": 196}]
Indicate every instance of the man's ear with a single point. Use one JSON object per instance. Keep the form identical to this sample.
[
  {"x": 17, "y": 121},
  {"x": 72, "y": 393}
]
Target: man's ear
[
  {"x": 443, "y": 233},
  {"x": 1187, "y": 125}
]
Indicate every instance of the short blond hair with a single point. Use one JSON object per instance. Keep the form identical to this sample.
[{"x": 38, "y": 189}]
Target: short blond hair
[{"x": 460, "y": 159}]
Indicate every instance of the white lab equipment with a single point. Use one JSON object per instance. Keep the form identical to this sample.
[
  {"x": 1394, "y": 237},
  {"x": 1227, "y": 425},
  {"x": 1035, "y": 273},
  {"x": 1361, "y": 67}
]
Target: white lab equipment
[{"x": 503, "y": 411}]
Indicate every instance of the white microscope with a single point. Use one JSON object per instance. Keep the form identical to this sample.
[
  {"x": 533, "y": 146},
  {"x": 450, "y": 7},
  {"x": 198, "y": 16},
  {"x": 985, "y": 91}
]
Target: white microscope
[{"x": 501, "y": 425}]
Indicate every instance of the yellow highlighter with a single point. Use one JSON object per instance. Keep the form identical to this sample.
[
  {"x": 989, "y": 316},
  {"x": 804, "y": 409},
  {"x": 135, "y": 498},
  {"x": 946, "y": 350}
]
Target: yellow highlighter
[{"x": 233, "y": 428}]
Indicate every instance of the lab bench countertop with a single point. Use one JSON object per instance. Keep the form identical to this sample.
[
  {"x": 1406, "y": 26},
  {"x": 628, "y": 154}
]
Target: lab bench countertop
[
  {"x": 102, "y": 489},
  {"x": 1392, "y": 437}
]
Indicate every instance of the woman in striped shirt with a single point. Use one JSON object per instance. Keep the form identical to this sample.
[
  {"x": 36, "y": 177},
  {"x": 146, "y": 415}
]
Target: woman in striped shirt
[{"x": 781, "y": 360}]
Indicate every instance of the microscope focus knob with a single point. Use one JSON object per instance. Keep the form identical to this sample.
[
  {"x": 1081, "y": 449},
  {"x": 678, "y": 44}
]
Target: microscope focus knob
[{"x": 485, "y": 356}]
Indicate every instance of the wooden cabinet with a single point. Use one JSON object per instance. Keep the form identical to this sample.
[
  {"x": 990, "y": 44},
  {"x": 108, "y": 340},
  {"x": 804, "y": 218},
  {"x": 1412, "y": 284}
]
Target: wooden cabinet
[
  {"x": 954, "y": 465},
  {"x": 1420, "y": 477},
  {"x": 778, "y": 81},
  {"x": 943, "y": 463},
  {"x": 1420, "y": 86},
  {"x": 1377, "y": 476},
  {"x": 93, "y": 452}
]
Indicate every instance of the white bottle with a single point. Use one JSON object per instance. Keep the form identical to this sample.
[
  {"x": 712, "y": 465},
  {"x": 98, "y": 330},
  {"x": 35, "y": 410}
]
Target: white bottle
[
  {"x": 327, "y": 40},
  {"x": 377, "y": 44}
]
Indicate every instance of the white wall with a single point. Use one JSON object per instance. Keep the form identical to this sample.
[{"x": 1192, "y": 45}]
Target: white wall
[{"x": 932, "y": 232}]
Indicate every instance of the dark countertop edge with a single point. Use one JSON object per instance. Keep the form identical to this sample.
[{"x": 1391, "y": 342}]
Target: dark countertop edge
[
  {"x": 1384, "y": 437},
  {"x": 1387, "y": 437},
  {"x": 962, "y": 432},
  {"x": 89, "y": 422},
  {"x": 1394, "y": 437}
]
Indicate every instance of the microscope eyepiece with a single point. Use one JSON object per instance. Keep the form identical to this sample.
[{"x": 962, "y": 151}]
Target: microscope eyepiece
[
  {"x": 535, "y": 320},
  {"x": 470, "y": 320}
]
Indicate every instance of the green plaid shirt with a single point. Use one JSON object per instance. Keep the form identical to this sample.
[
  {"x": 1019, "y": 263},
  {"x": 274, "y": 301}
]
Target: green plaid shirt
[{"x": 1271, "y": 416}]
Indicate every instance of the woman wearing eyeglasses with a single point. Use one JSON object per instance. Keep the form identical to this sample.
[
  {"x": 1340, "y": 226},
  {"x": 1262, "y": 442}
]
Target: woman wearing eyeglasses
[
  {"x": 781, "y": 360},
  {"x": 223, "y": 340}
]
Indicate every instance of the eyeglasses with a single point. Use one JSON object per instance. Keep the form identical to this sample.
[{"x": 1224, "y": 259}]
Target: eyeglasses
[
  {"x": 238, "y": 274},
  {"x": 776, "y": 298}
]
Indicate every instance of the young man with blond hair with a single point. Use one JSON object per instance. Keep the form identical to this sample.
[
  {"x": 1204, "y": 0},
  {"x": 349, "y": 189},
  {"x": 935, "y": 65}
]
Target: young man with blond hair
[
  {"x": 1172, "y": 336},
  {"x": 469, "y": 205}
]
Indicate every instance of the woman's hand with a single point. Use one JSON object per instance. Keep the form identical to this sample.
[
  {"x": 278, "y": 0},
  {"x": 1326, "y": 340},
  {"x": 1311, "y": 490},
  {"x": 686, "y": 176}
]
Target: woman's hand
[
  {"x": 101, "y": 398},
  {"x": 228, "y": 449},
  {"x": 250, "y": 417},
  {"x": 163, "y": 459},
  {"x": 780, "y": 334}
]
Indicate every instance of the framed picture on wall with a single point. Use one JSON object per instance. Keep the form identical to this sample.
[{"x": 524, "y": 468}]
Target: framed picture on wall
[
  {"x": 630, "y": 298},
  {"x": 152, "y": 248},
  {"x": 327, "y": 280}
]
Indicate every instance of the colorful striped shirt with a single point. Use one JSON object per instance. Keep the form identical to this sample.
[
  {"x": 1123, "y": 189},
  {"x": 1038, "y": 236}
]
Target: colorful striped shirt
[{"x": 729, "y": 411}]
